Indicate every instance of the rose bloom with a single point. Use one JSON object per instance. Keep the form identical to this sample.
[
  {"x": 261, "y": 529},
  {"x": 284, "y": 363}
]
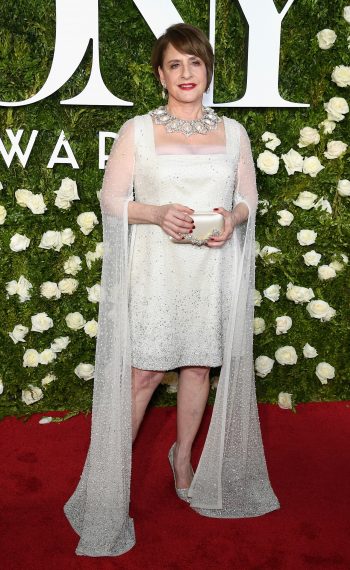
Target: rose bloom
[
  {"x": 283, "y": 324},
  {"x": 305, "y": 200},
  {"x": 312, "y": 166},
  {"x": 293, "y": 161},
  {"x": 306, "y": 237},
  {"x": 343, "y": 188},
  {"x": 285, "y": 217},
  {"x": 285, "y": 400},
  {"x": 312, "y": 258},
  {"x": 259, "y": 325},
  {"x": 325, "y": 372},
  {"x": 268, "y": 162},
  {"x": 328, "y": 126},
  {"x": 32, "y": 394},
  {"x": 335, "y": 149},
  {"x": 309, "y": 351},
  {"x": 3, "y": 214},
  {"x": 321, "y": 310},
  {"x": 286, "y": 355},
  {"x": 299, "y": 294},
  {"x": 326, "y": 38},
  {"x": 263, "y": 365},
  {"x": 308, "y": 136},
  {"x": 341, "y": 75},
  {"x": 326, "y": 272},
  {"x": 272, "y": 293},
  {"x": 336, "y": 108}
]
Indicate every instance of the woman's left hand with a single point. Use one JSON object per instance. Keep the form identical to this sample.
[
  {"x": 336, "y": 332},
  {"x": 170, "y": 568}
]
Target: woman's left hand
[{"x": 217, "y": 241}]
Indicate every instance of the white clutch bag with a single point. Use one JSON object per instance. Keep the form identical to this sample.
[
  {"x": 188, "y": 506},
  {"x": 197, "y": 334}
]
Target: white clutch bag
[{"x": 207, "y": 224}]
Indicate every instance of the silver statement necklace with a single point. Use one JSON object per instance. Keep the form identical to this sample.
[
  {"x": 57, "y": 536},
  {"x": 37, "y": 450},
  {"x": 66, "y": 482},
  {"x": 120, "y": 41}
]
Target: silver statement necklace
[{"x": 173, "y": 124}]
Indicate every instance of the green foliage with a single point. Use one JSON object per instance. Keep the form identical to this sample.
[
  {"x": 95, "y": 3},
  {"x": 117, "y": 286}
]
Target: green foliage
[{"x": 27, "y": 37}]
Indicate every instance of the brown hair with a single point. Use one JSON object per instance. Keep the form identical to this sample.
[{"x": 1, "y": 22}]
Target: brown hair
[{"x": 186, "y": 39}]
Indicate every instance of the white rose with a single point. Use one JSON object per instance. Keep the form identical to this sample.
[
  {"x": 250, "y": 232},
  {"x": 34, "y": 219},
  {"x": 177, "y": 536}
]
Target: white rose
[
  {"x": 293, "y": 161},
  {"x": 312, "y": 166},
  {"x": 324, "y": 205},
  {"x": 336, "y": 108},
  {"x": 1, "y": 382},
  {"x": 285, "y": 217},
  {"x": 264, "y": 206},
  {"x": 336, "y": 265},
  {"x": 309, "y": 351},
  {"x": 48, "y": 379},
  {"x": 31, "y": 394},
  {"x": 299, "y": 294},
  {"x": 31, "y": 358},
  {"x": 94, "y": 293},
  {"x": 268, "y": 250},
  {"x": 51, "y": 240},
  {"x": 23, "y": 286},
  {"x": 68, "y": 286},
  {"x": 257, "y": 298},
  {"x": 335, "y": 149},
  {"x": 50, "y": 290},
  {"x": 326, "y": 272},
  {"x": 346, "y": 14},
  {"x": 306, "y": 237},
  {"x": 341, "y": 75},
  {"x": 75, "y": 321},
  {"x": 47, "y": 356},
  {"x": 62, "y": 203},
  {"x": 35, "y": 203},
  {"x": 286, "y": 355},
  {"x": 60, "y": 343},
  {"x": 90, "y": 256},
  {"x": 41, "y": 322},
  {"x": 328, "y": 126},
  {"x": 271, "y": 140},
  {"x": 305, "y": 200},
  {"x": 11, "y": 287},
  {"x": 257, "y": 248},
  {"x": 66, "y": 192},
  {"x": 87, "y": 221},
  {"x": 3, "y": 214},
  {"x": 312, "y": 258},
  {"x": 283, "y": 324},
  {"x": 320, "y": 310},
  {"x": 22, "y": 196},
  {"x": 268, "y": 162},
  {"x": 259, "y": 325},
  {"x": 326, "y": 38},
  {"x": 91, "y": 328},
  {"x": 343, "y": 188},
  {"x": 263, "y": 365},
  {"x": 19, "y": 242},
  {"x": 67, "y": 236},
  {"x": 308, "y": 136},
  {"x": 345, "y": 258},
  {"x": 18, "y": 333},
  {"x": 85, "y": 371},
  {"x": 72, "y": 265},
  {"x": 285, "y": 400},
  {"x": 325, "y": 372},
  {"x": 272, "y": 293},
  {"x": 99, "y": 250}
]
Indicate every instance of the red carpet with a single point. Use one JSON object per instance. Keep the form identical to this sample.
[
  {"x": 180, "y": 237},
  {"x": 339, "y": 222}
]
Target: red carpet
[{"x": 309, "y": 465}]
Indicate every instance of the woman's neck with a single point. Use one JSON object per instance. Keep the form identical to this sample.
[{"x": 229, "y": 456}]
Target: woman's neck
[{"x": 187, "y": 111}]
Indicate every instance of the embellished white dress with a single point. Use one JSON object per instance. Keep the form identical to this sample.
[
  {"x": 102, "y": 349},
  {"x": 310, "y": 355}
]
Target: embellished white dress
[{"x": 164, "y": 305}]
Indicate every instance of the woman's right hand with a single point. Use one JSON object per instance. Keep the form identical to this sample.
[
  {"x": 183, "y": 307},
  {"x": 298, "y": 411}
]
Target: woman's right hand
[{"x": 175, "y": 219}]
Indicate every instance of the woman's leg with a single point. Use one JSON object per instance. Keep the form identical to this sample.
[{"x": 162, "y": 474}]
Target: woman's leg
[
  {"x": 144, "y": 382},
  {"x": 192, "y": 397}
]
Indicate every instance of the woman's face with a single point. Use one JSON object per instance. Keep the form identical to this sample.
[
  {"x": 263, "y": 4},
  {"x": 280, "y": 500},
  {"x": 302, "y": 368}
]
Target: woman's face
[{"x": 184, "y": 75}]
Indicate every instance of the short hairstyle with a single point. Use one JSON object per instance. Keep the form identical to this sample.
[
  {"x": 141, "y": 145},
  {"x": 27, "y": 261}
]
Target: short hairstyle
[{"x": 186, "y": 39}]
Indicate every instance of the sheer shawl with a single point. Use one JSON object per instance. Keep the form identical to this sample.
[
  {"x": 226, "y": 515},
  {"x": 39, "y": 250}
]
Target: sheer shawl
[{"x": 231, "y": 479}]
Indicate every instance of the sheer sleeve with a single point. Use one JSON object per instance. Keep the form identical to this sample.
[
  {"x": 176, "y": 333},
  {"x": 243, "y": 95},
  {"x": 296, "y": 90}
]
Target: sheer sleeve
[
  {"x": 118, "y": 178},
  {"x": 246, "y": 190}
]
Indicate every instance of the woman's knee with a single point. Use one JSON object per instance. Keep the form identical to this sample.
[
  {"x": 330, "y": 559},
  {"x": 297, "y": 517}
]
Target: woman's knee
[
  {"x": 198, "y": 373},
  {"x": 146, "y": 378}
]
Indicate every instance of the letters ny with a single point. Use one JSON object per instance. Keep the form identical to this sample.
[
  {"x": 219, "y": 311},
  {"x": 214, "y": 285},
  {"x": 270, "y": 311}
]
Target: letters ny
[{"x": 77, "y": 23}]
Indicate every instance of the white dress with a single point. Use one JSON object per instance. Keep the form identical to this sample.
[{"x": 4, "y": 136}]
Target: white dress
[
  {"x": 178, "y": 301},
  {"x": 231, "y": 479}
]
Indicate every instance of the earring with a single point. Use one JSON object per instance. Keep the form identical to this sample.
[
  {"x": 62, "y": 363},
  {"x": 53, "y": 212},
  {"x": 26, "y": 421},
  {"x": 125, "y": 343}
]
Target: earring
[{"x": 163, "y": 90}]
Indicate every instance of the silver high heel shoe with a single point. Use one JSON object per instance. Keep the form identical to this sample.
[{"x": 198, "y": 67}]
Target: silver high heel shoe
[{"x": 181, "y": 493}]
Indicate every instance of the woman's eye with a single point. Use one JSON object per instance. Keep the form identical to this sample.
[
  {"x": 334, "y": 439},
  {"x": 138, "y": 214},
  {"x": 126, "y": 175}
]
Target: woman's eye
[
  {"x": 196, "y": 62},
  {"x": 173, "y": 65}
]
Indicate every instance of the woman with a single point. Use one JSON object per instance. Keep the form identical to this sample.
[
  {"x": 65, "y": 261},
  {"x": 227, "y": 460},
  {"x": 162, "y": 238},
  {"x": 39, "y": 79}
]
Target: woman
[{"x": 166, "y": 304}]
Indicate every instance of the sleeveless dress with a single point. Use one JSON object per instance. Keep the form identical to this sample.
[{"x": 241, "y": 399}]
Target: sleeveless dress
[{"x": 178, "y": 301}]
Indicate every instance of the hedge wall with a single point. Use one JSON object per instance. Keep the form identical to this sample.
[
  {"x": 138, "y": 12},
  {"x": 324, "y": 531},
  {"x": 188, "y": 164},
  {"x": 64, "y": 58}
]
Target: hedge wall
[{"x": 27, "y": 37}]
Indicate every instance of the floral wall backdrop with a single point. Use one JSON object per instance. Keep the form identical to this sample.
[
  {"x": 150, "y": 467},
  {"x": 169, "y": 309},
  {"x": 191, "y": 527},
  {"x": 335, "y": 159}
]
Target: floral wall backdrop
[{"x": 50, "y": 224}]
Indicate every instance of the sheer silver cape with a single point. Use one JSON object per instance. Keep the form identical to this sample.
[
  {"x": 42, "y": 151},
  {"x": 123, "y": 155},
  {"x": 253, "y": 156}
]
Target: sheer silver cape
[{"x": 231, "y": 480}]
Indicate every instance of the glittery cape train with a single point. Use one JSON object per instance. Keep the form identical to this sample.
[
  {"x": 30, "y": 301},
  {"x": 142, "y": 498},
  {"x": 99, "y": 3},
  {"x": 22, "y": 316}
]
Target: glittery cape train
[{"x": 231, "y": 479}]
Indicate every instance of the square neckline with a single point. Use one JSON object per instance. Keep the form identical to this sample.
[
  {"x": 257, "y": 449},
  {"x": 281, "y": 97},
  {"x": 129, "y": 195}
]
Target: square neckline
[{"x": 226, "y": 154}]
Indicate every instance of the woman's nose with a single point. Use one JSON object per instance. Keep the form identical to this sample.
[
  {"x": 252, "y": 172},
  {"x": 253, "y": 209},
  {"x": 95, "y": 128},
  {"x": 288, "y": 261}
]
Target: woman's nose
[{"x": 186, "y": 71}]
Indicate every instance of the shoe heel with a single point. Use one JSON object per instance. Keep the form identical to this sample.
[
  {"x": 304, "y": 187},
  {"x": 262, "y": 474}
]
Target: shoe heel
[{"x": 181, "y": 493}]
